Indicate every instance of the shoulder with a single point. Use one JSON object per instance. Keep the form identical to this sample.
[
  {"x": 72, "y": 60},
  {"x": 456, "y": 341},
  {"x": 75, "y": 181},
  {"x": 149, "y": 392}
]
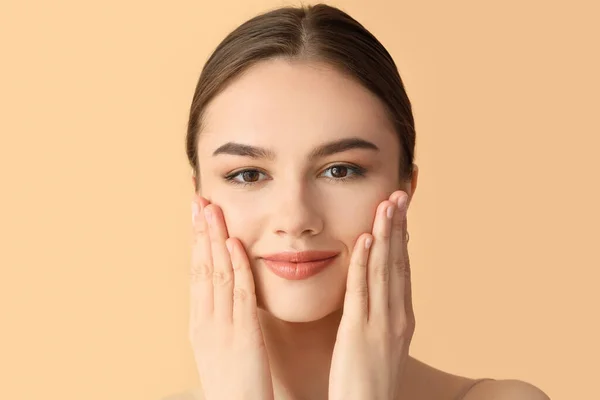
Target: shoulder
[
  {"x": 424, "y": 381},
  {"x": 506, "y": 389}
]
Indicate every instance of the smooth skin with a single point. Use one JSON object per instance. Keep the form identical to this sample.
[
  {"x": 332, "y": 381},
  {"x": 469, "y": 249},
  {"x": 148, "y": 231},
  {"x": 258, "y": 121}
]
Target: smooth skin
[{"x": 375, "y": 331}]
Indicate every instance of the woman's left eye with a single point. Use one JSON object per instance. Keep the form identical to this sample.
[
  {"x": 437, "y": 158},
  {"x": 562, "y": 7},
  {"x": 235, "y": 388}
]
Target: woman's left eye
[{"x": 339, "y": 172}]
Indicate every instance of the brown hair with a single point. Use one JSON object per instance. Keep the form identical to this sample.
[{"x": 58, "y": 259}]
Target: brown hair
[{"x": 319, "y": 33}]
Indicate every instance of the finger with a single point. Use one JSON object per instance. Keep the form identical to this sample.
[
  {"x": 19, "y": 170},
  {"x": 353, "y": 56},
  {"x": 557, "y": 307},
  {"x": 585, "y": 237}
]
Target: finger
[
  {"x": 410, "y": 313},
  {"x": 397, "y": 257},
  {"x": 244, "y": 295},
  {"x": 356, "y": 300},
  {"x": 378, "y": 270},
  {"x": 201, "y": 271},
  {"x": 222, "y": 270}
]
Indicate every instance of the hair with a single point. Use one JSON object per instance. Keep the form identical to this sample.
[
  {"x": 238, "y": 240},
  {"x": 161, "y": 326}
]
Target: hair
[{"x": 318, "y": 33}]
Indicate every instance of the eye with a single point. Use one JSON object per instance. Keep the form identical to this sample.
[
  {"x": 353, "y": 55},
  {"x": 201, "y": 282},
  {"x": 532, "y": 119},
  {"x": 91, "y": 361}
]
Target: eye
[
  {"x": 340, "y": 172},
  {"x": 249, "y": 177}
]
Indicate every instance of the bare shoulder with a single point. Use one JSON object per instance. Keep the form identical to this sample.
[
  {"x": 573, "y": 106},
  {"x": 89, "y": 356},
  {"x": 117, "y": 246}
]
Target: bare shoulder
[
  {"x": 506, "y": 389},
  {"x": 423, "y": 381}
]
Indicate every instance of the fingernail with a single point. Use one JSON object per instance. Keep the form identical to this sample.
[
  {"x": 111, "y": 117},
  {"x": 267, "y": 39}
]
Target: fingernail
[
  {"x": 390, "y": 212},
  {"x": 368, "y": 242},
  {"x": 228, "y": 244},
  {"x": 195, "y": 211}
]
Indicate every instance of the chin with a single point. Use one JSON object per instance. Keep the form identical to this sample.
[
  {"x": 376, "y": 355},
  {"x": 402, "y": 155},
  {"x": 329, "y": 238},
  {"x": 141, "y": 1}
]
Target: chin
[
  {"x": 301, "y": 301},
  {"x": 299, "y": 314}
]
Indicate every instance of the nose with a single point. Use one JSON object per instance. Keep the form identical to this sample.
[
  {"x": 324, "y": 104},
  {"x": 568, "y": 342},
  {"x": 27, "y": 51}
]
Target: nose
[{"x": 296, "y": 212}]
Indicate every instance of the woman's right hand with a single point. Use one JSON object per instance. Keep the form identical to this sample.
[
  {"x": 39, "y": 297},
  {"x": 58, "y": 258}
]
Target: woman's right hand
[{"x": 225, "y": 333}]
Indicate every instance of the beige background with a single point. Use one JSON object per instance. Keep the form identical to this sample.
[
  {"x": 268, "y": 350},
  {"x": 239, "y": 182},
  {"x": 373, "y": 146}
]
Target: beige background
[{"x": 94, "y": 212}]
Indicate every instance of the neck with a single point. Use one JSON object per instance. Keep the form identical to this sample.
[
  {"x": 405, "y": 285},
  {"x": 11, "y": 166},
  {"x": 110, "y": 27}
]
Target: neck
[{"x": 300, "y": 353}]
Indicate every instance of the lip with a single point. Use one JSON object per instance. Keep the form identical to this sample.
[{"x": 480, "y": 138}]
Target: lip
[
  {"x": 301, "y": 256},
  {"x": 299, "y": 265}
]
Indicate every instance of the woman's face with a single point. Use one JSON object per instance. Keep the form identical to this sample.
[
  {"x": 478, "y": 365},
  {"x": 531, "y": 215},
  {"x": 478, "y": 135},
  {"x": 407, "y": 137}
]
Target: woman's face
[{"x": 292, "y": 201}]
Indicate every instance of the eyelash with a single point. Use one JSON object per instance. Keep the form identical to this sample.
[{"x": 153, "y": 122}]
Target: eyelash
[{"x": 358, "y": 172}]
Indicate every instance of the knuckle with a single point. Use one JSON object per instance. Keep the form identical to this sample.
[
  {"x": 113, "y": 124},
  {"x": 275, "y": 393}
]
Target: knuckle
[
  {"x": 238, "y": 266},
  {"x": 361, "y": 291},
  {"x": 405, "y": 269},
  {"x": 401, "y": 328},
  {"x": 361, "y": 264},
  {"x": 200, "y": 272},
  {"x": 382, "y": 271},
  {"x": 241, "y": 295},
  {"x": 399, "y": 267},
  {"x": 221, "y": 278},
  {"x": 397, "y": 225}
]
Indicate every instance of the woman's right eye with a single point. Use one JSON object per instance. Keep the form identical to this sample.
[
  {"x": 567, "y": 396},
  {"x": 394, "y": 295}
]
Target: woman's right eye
[{"x": 247, "y": 177}]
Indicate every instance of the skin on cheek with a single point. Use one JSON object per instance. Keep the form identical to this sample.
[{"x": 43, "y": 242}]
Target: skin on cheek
[
  {"x": 243, "y": 219},
  {"x": 364, "y": 206}
]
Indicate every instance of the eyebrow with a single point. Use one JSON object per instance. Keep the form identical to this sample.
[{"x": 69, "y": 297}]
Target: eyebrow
[{"x": 324, "y": 150}]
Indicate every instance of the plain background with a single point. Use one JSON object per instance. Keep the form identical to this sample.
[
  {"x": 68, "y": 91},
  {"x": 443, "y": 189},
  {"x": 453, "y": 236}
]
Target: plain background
[{"x": 96, "y": 189}]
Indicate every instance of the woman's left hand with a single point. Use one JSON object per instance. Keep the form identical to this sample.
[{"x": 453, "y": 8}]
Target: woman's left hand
[{"x": 378, "y": 321}]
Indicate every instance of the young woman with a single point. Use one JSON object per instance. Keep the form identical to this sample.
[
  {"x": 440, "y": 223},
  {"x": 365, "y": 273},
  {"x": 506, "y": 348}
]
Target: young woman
[{"x": 301, "y": 139}]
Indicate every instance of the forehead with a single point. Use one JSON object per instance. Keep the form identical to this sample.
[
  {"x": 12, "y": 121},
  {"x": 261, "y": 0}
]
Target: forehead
[{"x": 297, "y": 104}]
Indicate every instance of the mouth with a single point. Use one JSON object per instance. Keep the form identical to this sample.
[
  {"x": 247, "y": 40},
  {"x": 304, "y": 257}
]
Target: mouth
[
  {"x": 298, "y": 266},
  {"x": 301, "y": 256}
]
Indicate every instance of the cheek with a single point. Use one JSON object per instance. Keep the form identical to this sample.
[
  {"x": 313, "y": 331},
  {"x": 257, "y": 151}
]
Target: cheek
[
  {"x": 353, "y": 216},
  {"x": 240, "y": 216},
  {"x": 359, "y": 209}
]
